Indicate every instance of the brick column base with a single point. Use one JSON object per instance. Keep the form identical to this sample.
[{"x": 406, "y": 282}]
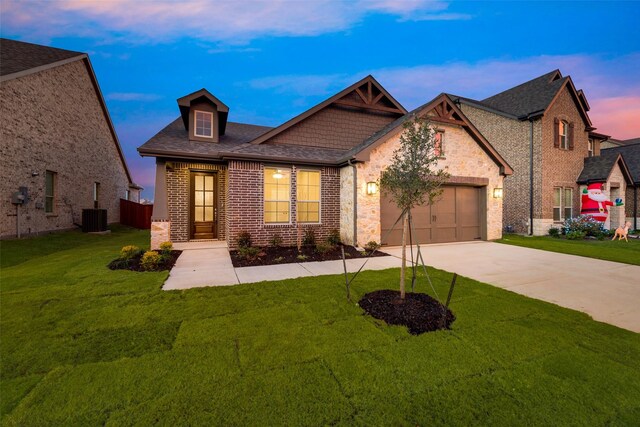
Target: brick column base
[{"x": 159, "y": 233}]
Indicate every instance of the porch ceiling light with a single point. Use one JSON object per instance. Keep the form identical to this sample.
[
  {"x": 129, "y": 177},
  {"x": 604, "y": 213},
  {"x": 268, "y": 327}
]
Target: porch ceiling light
[
  {"x": 278, "y": 174},
  {"x": 372, "y": 188},
  {"x": 497, "y": 193}
]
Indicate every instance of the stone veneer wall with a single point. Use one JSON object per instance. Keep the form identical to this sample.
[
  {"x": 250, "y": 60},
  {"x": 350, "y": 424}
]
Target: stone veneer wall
[
  {"x": 245, "y": 205},
  {"x": 346, "y": 205},
  {"x": 617, "y": 215},
  {"x": 463, "y": 158},
  {"x": 53, "y": 120},
  {"x": 511, "y": 138},
  {"x": 178, "y": 197}
]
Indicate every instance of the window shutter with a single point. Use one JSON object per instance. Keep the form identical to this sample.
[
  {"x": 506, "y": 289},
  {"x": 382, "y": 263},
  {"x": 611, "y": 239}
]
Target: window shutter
[
  {"x": 556, "y": 132},
  {"x": 570, "y": 136}
]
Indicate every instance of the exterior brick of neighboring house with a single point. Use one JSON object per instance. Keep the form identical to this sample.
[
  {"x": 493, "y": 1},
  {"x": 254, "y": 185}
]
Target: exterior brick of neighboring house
[
  {"x": 346, "y": 131},
  {"x": 54, "y": 126},
  {"x": 525, "y": 124}
]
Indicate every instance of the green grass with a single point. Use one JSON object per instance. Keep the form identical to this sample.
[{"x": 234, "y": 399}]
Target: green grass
[
  {"x": 626, "y": 252},
  {"x": 83, "y": 345}
]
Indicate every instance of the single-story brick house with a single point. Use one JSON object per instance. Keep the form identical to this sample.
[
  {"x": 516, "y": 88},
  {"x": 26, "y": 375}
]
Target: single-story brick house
[{"x": 216, "y": 178}]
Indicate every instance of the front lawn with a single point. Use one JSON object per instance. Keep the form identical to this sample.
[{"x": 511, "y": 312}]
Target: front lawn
[
  {"x": 626, "y": 252},
  {"x": 84, "y": 345}
]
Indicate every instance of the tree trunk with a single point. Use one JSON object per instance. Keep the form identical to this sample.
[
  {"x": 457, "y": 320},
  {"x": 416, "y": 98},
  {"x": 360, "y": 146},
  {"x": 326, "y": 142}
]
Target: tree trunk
[{"x": 405, "y": 226}]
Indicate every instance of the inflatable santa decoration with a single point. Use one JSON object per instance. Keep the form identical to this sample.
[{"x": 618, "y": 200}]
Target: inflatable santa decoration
[{"x": 595, "y": 203}]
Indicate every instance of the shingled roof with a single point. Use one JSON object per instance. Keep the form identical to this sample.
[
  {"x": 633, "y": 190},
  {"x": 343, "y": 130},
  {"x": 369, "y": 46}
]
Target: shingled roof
[
  {"x": 598, "y": 168},
  {"x": 631, "y": 155},
  {"x": 17, "y": 57},
  {"x": 529, "y": 97}
]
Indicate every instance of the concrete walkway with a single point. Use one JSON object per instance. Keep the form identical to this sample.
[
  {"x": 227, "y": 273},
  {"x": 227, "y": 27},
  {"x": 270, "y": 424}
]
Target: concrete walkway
[{"x": 608, "y": 291}]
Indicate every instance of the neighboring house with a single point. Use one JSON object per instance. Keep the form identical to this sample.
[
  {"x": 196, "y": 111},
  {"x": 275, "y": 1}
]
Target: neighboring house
[
  {"x": 57, "y": 141},
  {"x": 630, "y": 153},
  {"x": 542, "y": 129},
  {"x": 610, "y": 142},
  {"x": 216, "y": 178}
]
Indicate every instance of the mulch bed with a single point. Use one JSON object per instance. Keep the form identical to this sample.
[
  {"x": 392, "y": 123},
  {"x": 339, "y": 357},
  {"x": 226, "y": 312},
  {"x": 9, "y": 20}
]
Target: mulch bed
[
  {"x": 419, "y": 312},
  {"x": 134, "y": 263},
  {"x": 285, "y": 255}
]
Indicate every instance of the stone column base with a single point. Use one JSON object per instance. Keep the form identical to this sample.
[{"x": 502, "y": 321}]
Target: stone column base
[
  {"x": 541, "y": 226},
  {"x": 160, "y": 233}
]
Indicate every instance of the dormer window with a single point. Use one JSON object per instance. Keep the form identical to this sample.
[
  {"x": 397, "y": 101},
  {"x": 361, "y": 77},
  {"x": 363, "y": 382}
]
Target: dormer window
[{"x": 204, "y": 124}]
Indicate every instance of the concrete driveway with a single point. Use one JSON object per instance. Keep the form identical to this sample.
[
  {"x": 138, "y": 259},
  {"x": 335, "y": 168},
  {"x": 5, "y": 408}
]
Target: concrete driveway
[{"x": 608, "y": 291}]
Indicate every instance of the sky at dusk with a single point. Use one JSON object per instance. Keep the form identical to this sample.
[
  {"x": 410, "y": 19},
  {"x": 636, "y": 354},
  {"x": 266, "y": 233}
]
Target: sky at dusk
[{"x": 271, "y": 60}]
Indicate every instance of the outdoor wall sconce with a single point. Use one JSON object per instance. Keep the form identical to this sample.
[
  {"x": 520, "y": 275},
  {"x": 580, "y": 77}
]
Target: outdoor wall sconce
[
  {"x": 372, "y": 188},
  {"x": 497, "y": 193}
]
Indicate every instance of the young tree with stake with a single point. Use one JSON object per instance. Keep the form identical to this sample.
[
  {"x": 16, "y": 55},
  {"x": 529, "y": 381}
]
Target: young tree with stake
[{"x": 413, "y": 179}]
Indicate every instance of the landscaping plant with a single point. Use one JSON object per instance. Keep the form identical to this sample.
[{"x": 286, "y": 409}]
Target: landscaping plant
[
  {"x": 244, "y": 239},
  {"x": 309, "y": 238},
  {"x": 334, "y": 237},
  {"x": 412, "y": 178},
  {"x": 150, "y": 261}
]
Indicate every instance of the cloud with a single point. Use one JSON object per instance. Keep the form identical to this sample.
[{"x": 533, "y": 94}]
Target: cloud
[
  {"x": 132, "y": 96},
  {"x": 223, "y": 20},
  {"x": 609, "y": 83}
]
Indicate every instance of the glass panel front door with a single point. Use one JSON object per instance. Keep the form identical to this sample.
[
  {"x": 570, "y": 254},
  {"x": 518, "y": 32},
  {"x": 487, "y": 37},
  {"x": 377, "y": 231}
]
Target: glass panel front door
[{"x": 203, "y": 205}]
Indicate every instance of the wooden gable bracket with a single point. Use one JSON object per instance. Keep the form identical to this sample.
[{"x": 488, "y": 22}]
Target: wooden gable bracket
[
  {"x": 368, "y": 101},
  {"x": 445, "y": 113}
]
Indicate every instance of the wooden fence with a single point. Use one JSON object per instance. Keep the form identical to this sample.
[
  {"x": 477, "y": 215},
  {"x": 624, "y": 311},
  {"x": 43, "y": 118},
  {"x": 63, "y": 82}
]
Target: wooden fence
[{"x": 135, "y": 214}]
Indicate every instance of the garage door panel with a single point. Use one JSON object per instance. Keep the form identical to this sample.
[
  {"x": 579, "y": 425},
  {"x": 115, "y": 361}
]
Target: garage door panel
[{"x": 454, "y": 217}]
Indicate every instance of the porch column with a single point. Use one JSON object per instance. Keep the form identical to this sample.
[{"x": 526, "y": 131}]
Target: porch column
[{"x": 160, "y": 222}]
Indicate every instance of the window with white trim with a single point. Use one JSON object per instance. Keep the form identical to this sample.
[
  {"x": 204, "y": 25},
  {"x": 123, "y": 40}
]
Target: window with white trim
[
  {"x": 277, "y": 195},
  {"x": 204, "y": 124},
  {"x": 308, "y": 195},
  {"x": 590, "y": 148},
  {"x": 96, "y": 195},
  {"x": 49, "y": 191},
  {"x": 562, "y": 203}
]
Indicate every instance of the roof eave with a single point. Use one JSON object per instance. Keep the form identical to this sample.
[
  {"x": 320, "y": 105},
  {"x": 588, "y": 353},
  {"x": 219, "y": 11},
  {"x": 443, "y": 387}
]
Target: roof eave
[{"x": 34, "y": 70}]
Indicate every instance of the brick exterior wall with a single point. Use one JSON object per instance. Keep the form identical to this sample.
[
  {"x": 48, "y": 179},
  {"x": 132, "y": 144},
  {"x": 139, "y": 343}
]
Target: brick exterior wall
[
  {"x": 561, "y": 168},
  {"x": 629, "y": 205},
  {"x": 511, "y": 138},
  {"x": 334, "y": 127},
  {"x": 178, "y": 197},
  {"x": 245, "y": 205},
  {"x": 53, "y": 120}
]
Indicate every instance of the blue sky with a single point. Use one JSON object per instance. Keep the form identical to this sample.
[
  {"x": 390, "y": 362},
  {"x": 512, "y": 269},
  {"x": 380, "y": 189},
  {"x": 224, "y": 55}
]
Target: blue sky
[{"x": 271, "y": 60}]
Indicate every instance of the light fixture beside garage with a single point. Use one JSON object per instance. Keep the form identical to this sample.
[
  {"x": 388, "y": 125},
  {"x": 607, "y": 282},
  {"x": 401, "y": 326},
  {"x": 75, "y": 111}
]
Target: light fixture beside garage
[
  {"x": 372, "y": 188},
  {"x": 497, "y": 193}
]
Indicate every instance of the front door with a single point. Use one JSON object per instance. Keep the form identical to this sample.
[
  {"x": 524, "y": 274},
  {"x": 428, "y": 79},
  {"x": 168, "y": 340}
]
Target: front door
[{"x": 204, "y": 198}]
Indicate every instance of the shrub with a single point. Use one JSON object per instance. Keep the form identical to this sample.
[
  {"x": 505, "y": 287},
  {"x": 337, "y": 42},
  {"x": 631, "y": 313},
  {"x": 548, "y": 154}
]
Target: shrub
[
  {"x": 248, "y": 252},
  {"x": 278, "y": 259},
  {"x": 576, "y": 235},
  {"x": 244, "y": 239},
  {"x": 130, "y": 252},
  {"x": 554, "y": 232},
  {"x": 371, "y": 246},
  {"x": 323, "y": 248},
  {"x": 166, "y": 248},
  {"x": 309, "y": 238},
  {"x": 275, "y": 241},
  {"x": 334, "y": 237},
  {"x": 150, "y": 261},
  {"x": 583, "y": 223},
  {"x": 302, "y": 257}
]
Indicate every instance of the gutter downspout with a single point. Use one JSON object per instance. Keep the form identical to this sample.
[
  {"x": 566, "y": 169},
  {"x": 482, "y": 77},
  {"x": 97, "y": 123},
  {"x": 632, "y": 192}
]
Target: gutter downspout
[
  {"x": 355, "y": 202},
  {"x": 531, "y": 178}
]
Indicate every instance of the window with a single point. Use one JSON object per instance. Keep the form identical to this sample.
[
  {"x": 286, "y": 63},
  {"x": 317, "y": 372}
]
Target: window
[
  {"x": 127, "y": 195},
  {"x": 590, "y": 149},
  {"x": 564, "y": 135},
  {"x": 277, "y": 195},
  {"x": 96, "y": 195},
  {"x": 439, "y": 143},
  {"x": 562, "y": 203},
  {"x": 204, "y": 124},
  {"x": 308, "y": 200},
  {"x": 49, "y": 191}
]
